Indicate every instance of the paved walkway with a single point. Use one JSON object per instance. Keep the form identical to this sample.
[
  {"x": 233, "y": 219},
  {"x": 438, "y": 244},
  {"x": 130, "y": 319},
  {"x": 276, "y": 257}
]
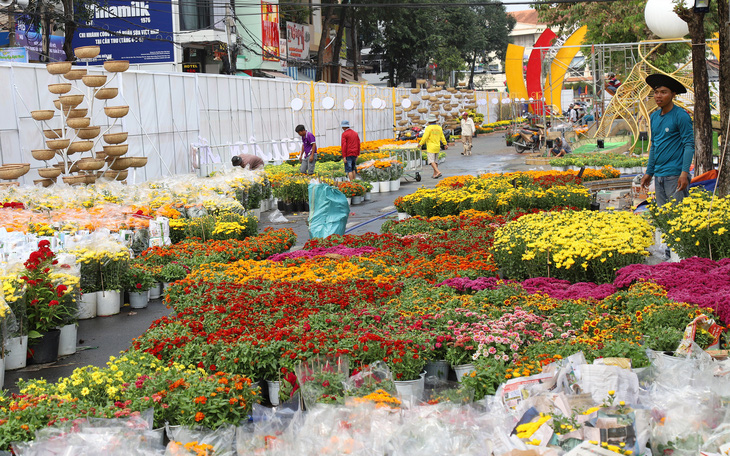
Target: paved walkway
[{"x": 102, "y": 337}]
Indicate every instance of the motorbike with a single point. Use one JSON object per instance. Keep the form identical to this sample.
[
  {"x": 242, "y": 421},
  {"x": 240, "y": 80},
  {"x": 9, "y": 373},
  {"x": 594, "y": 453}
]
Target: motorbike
[
  {"x": 529, "y": 138},
  {"x": 410, "y": 134}
]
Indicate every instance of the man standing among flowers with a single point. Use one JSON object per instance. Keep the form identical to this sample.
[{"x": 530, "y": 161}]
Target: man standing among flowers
[
  {"x": 350, "y": 146},
  {"x": 672, "y": 142},
  {"x": 467, "y": 131},
  {"x": 433, "y": 136},
  {"x": 308, "y": 154}
]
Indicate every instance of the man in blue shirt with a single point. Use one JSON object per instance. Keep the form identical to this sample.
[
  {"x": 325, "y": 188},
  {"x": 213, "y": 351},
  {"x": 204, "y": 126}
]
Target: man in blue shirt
[
  {"x": 672, "y": 142},
  {"x": 308, "y": 154}
]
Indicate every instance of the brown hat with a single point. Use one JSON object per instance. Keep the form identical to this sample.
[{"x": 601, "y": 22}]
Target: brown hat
[{"x": 662, "y": 80}]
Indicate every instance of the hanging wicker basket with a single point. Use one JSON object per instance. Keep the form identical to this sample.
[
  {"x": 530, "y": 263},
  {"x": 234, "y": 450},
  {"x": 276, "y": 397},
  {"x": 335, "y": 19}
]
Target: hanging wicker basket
[
  {"x": 80, "y": 146},
  {"x": 49, "y": 173},
  {"x": 422, "y": 110},
  {"x": 74, "y": 180},
  {"x": 116, "y": 111},
  {"x": 90, "y": 164},
  {"x": 107, "y": 93},
  {"x": 120, "y": 164},
  {"x": 60, "y": 89},
  {"x": 115, "y": 138},
  {"x": 56, "y": 133},
  {"x": 43, "y": 182},
  {"x": 94, "y": 80},
  {"x": 116, "y": 66},
  {"x": 42, "y": 114},
  {"x": 43, "y": 154},
  {"x": 88, "y": 132},
  {"x": 78, "y": 122},
  {"x": 116, "y": 175},
  {"x": 70, "y": 100},
  {"x": 87, "y": 52},
  {"x": 58, "y": 67},
  {"x": 137, "y": 162},
  {"x": 116, "y": 150},
  {"x": 415, "y": 90},
  {"x": 75, "y": 74},
  {"x": 57, "y": 144},
  {"x": 76, "y": 113}
]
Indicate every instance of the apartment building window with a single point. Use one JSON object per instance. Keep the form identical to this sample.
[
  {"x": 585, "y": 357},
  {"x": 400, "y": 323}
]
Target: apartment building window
[{"x": 195, "y": 14}]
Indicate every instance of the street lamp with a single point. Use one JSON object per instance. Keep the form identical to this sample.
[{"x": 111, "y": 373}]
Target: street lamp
[{"x": 702, "y": 6}]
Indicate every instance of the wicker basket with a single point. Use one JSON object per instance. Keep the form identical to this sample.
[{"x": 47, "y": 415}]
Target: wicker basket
[
  {"x": 94, "y": 80},
  {"x": 89, "y": 178},
  {"x": 115, "y": 138},
  {"x": 13, "y": 171},
  {"x": 53, "y": 134},
  {"x": 43, "y": 114},
  {"x": 107, "y": 93},
  {"x": 43, "y": 154},
  {"x": 43, "y": 182},
  {"x": 74, "y": 180},
  {"x": 70, "y": 100},
  {"x": 60, "y": 89},
  {"x": 58, "y": 67},
  {"x": 422, "y": 110},
  {"x": 138, "y": 162},
  {"x": 116, "y": 111},
  {"x": 116, "y": 66},
  {"x": 116, "y": 175},
  {"x": 90, "y": 164},
  {"x": 116, "y": 150},
  {"x": 88, "y": 132},
  {"x": 415, "y": 90},
  {"x": 75, "y": 74},
  {"x": 420, "y": 81},
  {"x": 78, "y": 122},
  {"x": 75, "y": 113},
  {"x": 57, "y": 144},
  {"x": 432, "y": 90},
  {"x": 121, "y": 164},
  {"x": 49, "y": 173},
  {"x": 441, "y": 83},
  {"x": 80, "y": 146},
  {"x": 74, "y": 168},
  {"x": 87, "y": 52},
  {"x": 9, "y": 184}
]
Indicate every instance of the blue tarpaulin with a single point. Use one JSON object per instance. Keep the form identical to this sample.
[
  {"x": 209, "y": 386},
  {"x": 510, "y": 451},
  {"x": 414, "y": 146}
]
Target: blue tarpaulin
[{"x": 328, "y": 211}]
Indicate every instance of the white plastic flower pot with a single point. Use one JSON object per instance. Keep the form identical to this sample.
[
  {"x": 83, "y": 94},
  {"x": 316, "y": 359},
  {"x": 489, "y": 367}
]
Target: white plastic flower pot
[{"x": 108, "y": 303}]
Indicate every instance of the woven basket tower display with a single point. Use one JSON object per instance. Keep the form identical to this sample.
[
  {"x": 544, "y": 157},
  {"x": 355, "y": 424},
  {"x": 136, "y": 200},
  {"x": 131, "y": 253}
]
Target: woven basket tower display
[{"x": 78, "y": 144}]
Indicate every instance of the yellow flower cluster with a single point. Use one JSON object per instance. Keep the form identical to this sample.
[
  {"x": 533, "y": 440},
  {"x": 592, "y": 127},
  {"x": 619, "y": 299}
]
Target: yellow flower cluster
[
  {"x": 88, "y": 255},
  {"x": 318, "y": 269},
  {"x": 380, "y": 397},
  {"x": 568, "y": 239},
  {"x": 13, "y": 288},
  {"x": 229, "y": 229}
]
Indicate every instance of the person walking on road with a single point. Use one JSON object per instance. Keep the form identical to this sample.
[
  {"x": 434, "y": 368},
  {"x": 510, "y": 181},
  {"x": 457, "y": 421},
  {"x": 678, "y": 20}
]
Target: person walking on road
[
  {"x": 433, "y": 136},
  {"x": 350, "y": 146},
  {"x": 467, "y": 132},
  {"x": 672, "y": 143},
  {"x": 308, "y": 154}
]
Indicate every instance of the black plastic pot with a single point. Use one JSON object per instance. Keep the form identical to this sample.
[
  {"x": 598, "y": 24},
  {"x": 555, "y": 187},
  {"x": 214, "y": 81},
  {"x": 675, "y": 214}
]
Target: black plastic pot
[
  {"x": 280, "y": 205},
  {"x": 44, "y": 349},
  {"x": 288, "y": 207},
  {"x": 306, "y": 207}
]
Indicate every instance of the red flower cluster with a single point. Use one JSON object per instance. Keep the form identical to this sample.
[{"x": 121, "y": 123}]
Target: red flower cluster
[{"x": 13, "y": 205}]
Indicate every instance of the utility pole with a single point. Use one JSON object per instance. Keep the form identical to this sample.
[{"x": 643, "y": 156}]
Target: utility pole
[
  {"x": 229, "y": 26},
  {"x": 11, "y": 24}
]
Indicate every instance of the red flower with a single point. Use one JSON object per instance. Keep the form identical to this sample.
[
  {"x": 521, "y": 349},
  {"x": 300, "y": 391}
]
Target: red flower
[
  {"x": 139, "y": 285},
  {"x": 53, "y": 303}
]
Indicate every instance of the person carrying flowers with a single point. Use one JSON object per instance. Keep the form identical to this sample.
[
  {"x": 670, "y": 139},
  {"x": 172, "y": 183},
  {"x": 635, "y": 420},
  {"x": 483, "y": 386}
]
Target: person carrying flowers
[{"x": 433, "y": 136}]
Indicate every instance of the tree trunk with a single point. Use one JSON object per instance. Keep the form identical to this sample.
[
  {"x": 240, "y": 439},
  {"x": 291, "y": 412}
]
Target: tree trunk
[
  {"x": 46, "y": 25},
  {"x": 391, "y": 75},
  {"x": 702, "y": 116},
  {"x": 472, "y": 66},
  {"x": 324, "y": 37},
  {"x": 723, "y": 181},
  {"x": 69, "y": 29},
  {"x": 338, "y": 46}
]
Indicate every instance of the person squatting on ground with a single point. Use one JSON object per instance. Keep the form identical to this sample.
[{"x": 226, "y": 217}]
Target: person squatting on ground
[
  {"x": 308, "y": 154},
  {"x": 560, "y": 147},
  {"x": 467, "y": 132},
  {"x": 433, "y": 136},
  {"x": 672, "y": 142},
  {"x": 247, "y": 160},
  {"x": 350, "y": 146}
]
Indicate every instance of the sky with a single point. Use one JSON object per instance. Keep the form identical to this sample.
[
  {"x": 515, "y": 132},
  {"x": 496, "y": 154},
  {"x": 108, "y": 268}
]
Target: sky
[{"x": 516, "y": 7}]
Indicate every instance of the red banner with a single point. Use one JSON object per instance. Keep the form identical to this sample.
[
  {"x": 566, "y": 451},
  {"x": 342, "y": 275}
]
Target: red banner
[{"x": 270, "y": 31}]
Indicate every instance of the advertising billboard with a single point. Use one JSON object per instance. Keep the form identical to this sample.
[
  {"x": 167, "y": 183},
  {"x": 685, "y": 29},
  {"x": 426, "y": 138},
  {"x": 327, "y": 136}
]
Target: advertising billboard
[
  {"x": 270, "y": 31},
  {"x": 30, "y": 37},
  {"x": 138, "y": 31},
  {"x": 297, "y": 41}
]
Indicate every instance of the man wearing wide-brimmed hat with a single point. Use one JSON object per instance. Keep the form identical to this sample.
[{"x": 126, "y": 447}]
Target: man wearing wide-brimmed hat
[
  {"x": 433, "y": 136},
  {"x": 467, "y": 131},
  {"x": 672, "y": 142}
]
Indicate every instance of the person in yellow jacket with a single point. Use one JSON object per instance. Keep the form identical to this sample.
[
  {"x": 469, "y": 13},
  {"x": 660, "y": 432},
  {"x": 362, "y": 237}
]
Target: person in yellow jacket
[{"x": 433, "y": 136}]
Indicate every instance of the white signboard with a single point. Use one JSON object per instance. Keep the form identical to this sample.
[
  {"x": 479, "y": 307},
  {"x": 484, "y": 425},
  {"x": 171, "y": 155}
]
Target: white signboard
[{"x": 297, "y": 40}]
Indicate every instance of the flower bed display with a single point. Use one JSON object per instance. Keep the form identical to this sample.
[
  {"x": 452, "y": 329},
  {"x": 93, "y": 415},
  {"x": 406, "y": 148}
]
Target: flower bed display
[
  {"x": 599, "y": 159},
  {"x": 425, "y": 290},
  {"x": 579, "y": 246},
  {"x": 698, "y": 226},
  {"x": 334, "y": 153},
  {"x": 496, "y": 193}
]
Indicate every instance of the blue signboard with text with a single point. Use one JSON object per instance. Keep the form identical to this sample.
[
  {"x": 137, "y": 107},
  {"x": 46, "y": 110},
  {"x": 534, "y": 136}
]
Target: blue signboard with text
[{"x": 138, "y": 31}]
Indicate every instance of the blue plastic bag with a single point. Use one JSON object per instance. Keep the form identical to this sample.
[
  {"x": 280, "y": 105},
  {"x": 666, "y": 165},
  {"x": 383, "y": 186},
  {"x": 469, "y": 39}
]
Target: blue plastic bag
[{"x": 328, "y": 211}]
